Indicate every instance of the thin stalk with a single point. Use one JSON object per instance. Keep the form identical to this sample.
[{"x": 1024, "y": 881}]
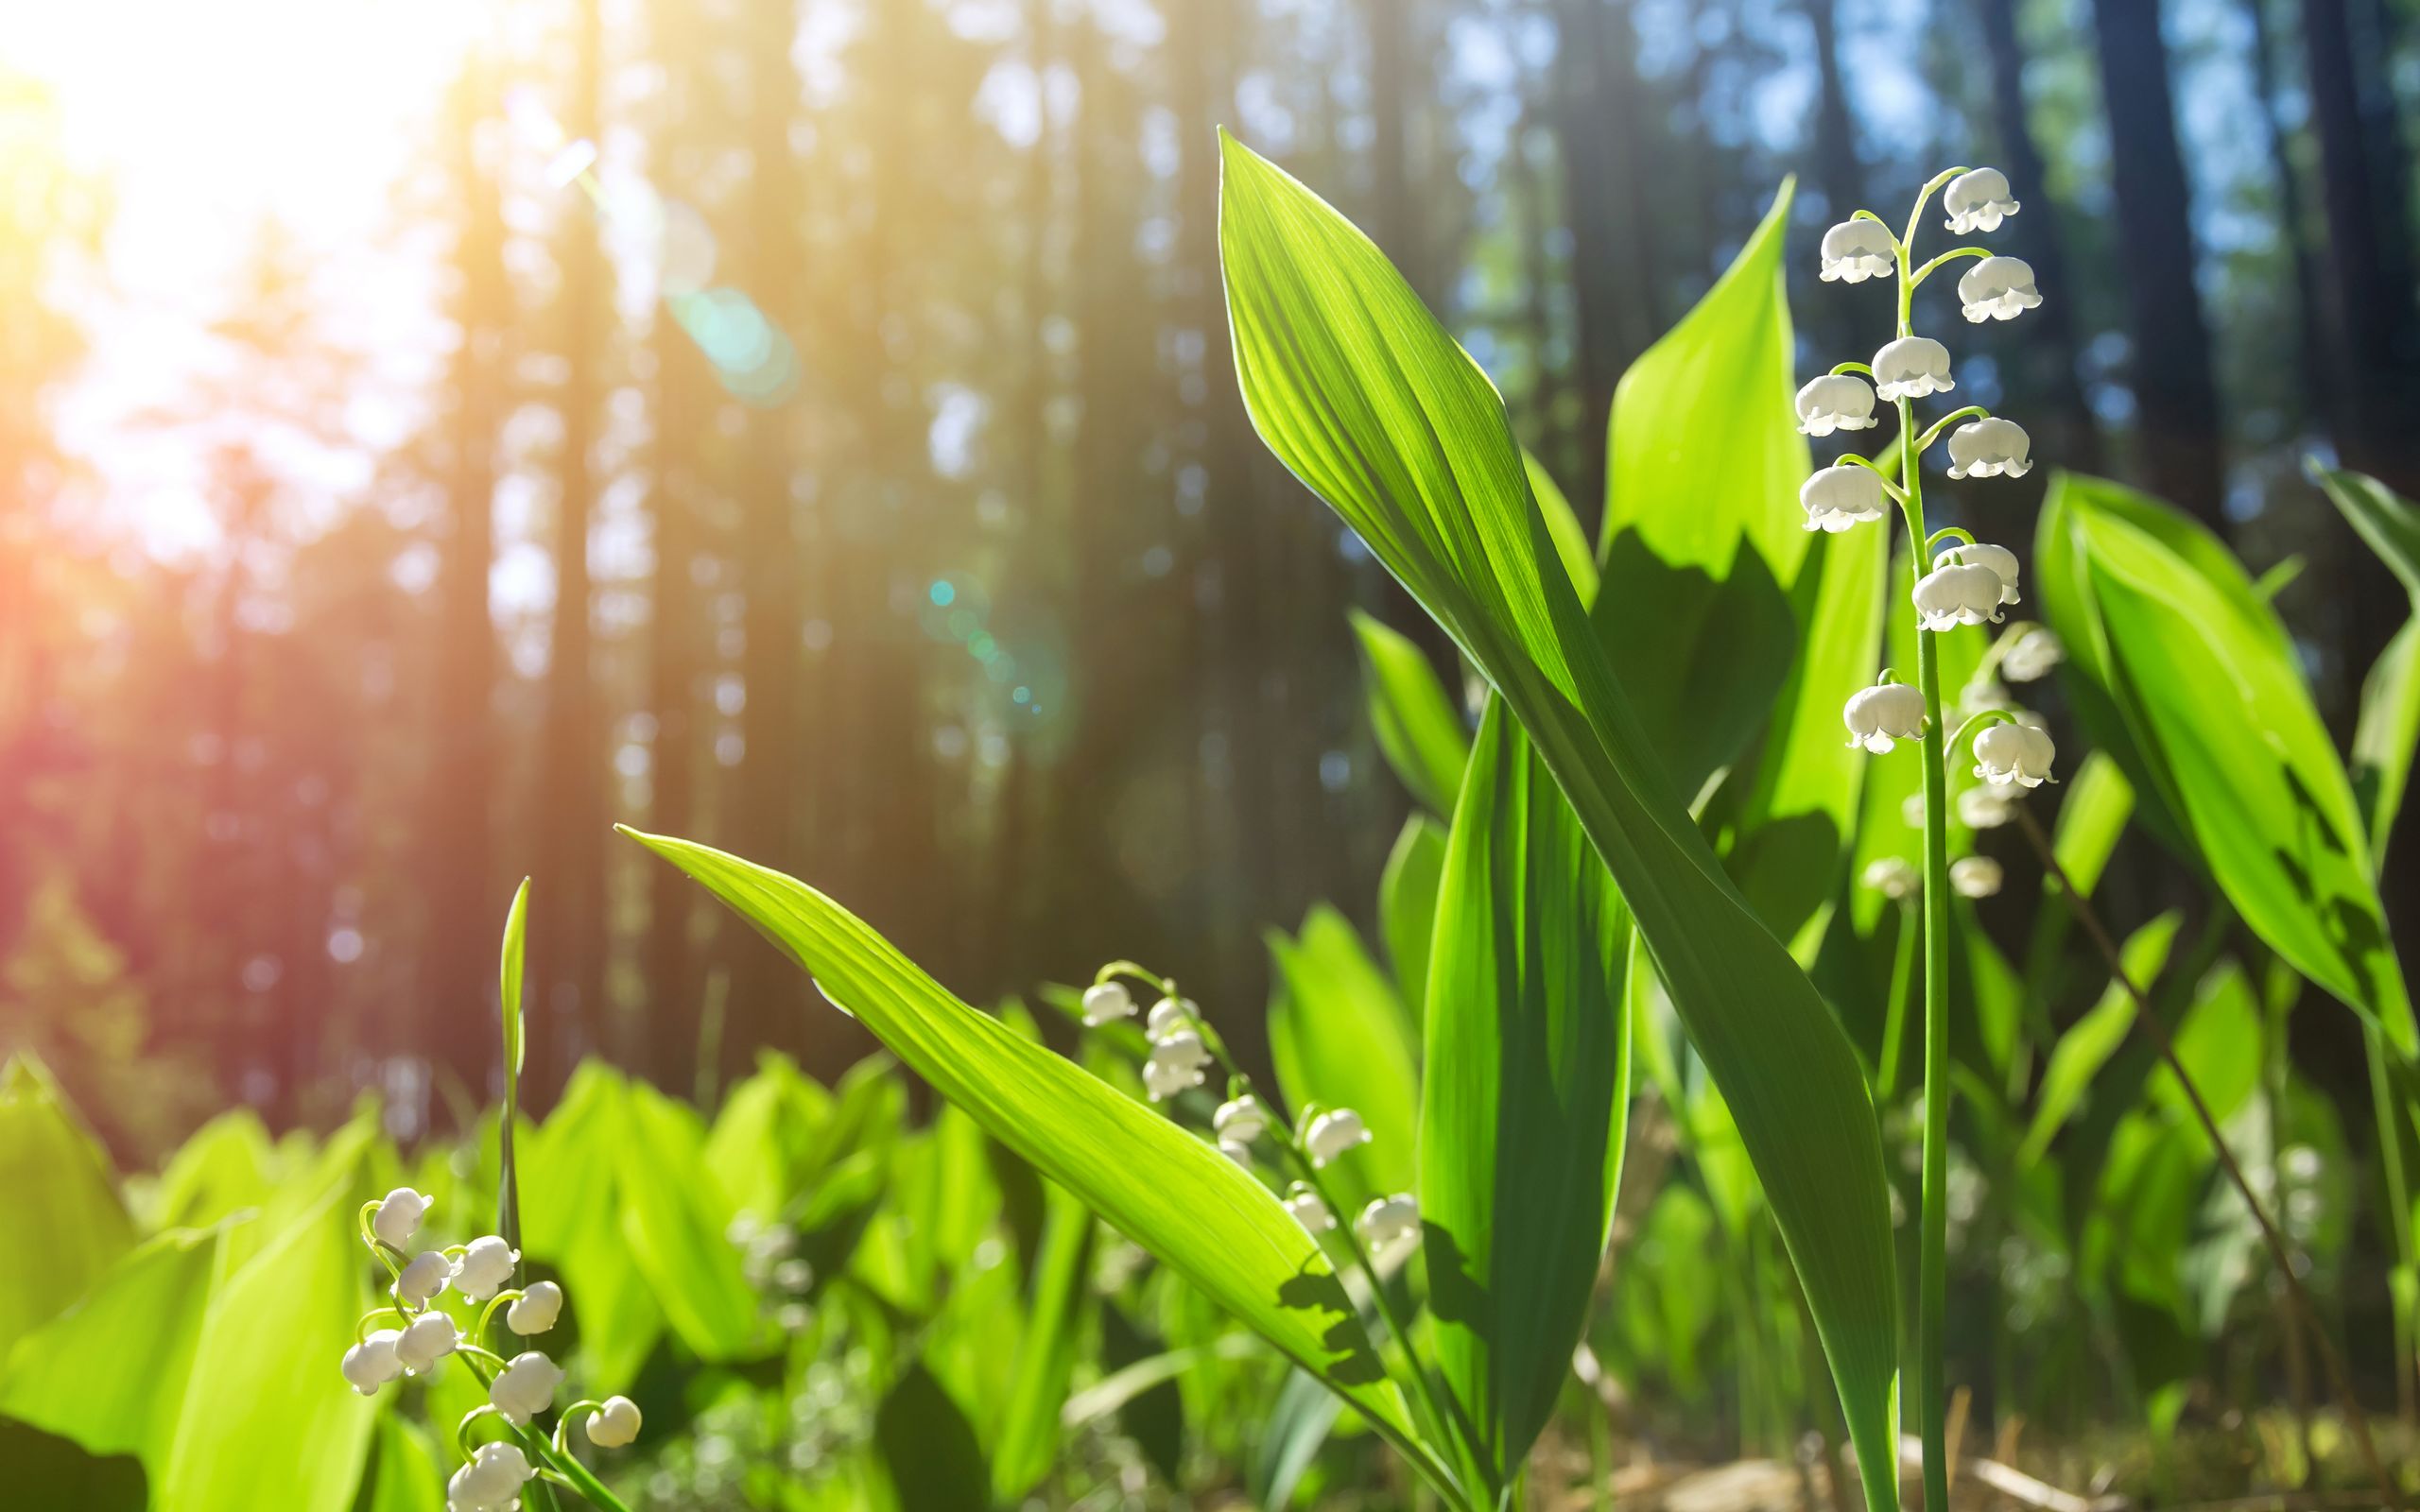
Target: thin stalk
[
  {"x": 2281, "y": 1254},
  {"x": 2405, "y": 1275},
  {"x": 1895, "y": 1018}
]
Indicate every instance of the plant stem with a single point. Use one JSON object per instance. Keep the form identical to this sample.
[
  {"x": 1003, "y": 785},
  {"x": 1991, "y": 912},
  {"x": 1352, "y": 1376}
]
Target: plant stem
[
  {"x": 2405, "y": 1276},
  {"x": 2281, "y": 1255}
]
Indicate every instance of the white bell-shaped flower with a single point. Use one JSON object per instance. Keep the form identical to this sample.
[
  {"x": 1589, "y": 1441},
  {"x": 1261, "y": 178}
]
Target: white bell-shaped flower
[
  {"x": 485, "y": 1268},
  {"x": 1836, "y": 402},
  {"x": 1241, "y": 1119},
  {"x": 525, "y": 1388},
  {"x": 1388, "y": 1222},
  {"x": 491, "y": 1482},
  {"x": 1997, "y": 288},
  {"x": 1169, "y": 1017},
  {"x": 1106, "y": 1003},
  {"x": 2002, "y": 560},
  {"x": 425, "y": 1340},
  {"x": 1892, "y": 876},
  {"x": 422, "y": 1276},
  {"x": 1977, "y": 200},
  {"x": 1838, "y": 497},
  {"x": 1990, "y": 448},
  {"x": 616, "y": 1424},
  {"x": 1987, "y": 807},
  {"x": 1911, "y": 367},
  {"x": 1884, "y": 714},
  {"x": 535, "y": 1310},
  {"x": 1855, "y": 250},
  {"x": 2036, "y": 649},
  {"x": 371, "y": 1362},
  {"x": 2011, "y": 754},
  {"x": 1237, "y": 1151},
  {"x": 1177, "y": 1062},
  {"x": 1959, "y": 593},
  {"x": 1982, "y": 693},
  {"x": 1334, "y": 1132},
  {"x": 1974, "y": 876},
  {"x": 1304, "y": 1206},
  {"x": 397, "y": 1218}
]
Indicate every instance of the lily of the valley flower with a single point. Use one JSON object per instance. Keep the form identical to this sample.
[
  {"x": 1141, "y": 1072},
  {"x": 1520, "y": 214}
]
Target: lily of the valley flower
[
  {"x": 1911, "y": 367},
  {"x": 1240, "y": 1119},
  {"x": 1855, "y": 250},
  {"x": 1168, "y": 1016},
  {"x": 1997, "y": 288},
  {"x": 1974, "y": 876},
  {"x": 491, "y": 1482},
  {"x": 2002, "y": 560},
  {"x": 535, "y": 1310},
  {"x": 371, "y": 1362},
  {"x": 1987, "y": 807},
  {"x": 1107, "y": 1002},
  {"x": 1388, "y": 1222},
  {"x": 1237, "y": 1151},
  {"x": 486, "y": 1268},
  {"x": 1836, "y": 402},
  {"x": 2012, "y": 753},
  {"x": 525, "y": 1388},
  {"x": 1838, "y": 497},
  {"x": 1890, "y": 876},
  {"x": 422, "y": 1276},
  {"x": 1990, "y": 448},
  {"x": 614, "y": 1424},
  {"x": 397, "y": 1216},
  {"x": 1304, "y": 1206},
  {"x": 1960, "y": 592},
  {"x": 2036, "y": 649},
  {"x": 1177, "y": 1062},
  {"x": 1881, "y": 716},
  {"x": 1977, "y": 200},
  {"x": 428, "y": 1339},
  {"x": 1334, "y": 1132}
]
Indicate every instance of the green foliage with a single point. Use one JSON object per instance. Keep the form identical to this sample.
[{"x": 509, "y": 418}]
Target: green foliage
[
  {"x": 1407, "y": 903},
  {"x": 1339, "y": 1034},
  {"x": 1369, "y": 402},
  {"x": 1418, "y": 727},
  {"x": 66, "y": 1224},
  {"x": 2390, "y": 723}
]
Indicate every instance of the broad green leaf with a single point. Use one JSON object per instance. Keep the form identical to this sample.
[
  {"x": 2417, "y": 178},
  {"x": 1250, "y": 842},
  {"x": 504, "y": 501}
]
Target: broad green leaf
[
  {"x": 2386, "y": 735},
  {"x": 1367, "y": 400},
  {"x": 1341, "y": 1037},
  {"x": 250, "y": 1434},
  {"x": 2093, "y": 1038},
  {"x": 1418, "y": 728},
  {"x": 675, "y": 1218},
  {"x": 2389, "y": 525},
  {"x": 929, "y": 1448},
  {"x": 1167, "y": 1191},
  {"x": 406, "y": 1474},
  {"x": 47, "y": 1472},
  {"x": 2092, "y": 817},
  {"x": 2210, "y": 690},
  {"x": 573, "y": 1221},
  {"x": 1408, "y": 903},
  {"x": 227, "y": 1166},
  {"x": 65, "y": 1225},
  {"x": 1524, "y": 1103},
  {"x": 1570, "y": 537},
  {"x": 1055, "y": 1311},
  {"x": 765, "y": 1134}
]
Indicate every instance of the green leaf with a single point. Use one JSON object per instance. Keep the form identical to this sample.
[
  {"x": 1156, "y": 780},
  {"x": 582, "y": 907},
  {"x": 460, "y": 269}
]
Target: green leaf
[
  {"x": 675, "y": 1219},
  {"x": 1367, "y": 400},
  {"x": 1341, "y": 1037},
  {"x": 1055, "y": 1309},
  {"x": 1167, "y": 1191},
  {"x": 2391, "y": 525},
  {"x": 2390, "y": 722},
  {"x": 48, "y": 1474},
  {"x": 516, "y": 924},
  {"x": 65, "y": 1226},
  {"x": 574, "y": 1223},
  {"x": 226, "y": 1166},
  {"x": 1523, "y": 1104},
  {"x": 1414, "y": 718},
  {"x": 929, "y": 1447},
  {"x": 406, "y": 1474},
  {"x": 2092, "y": 817},
  {"x": 1570, "y": 537},
  {"x": 2205, "y": 679},
  {"x": 2093, "y": 1038},
  {"x": 764, "y": 1135},
  {"x": 1407, "y": 903}
]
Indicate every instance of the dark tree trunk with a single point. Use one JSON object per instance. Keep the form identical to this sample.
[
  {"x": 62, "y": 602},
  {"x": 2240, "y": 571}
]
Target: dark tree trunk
[
  {"x": 2176, "y": 402},
  {"x": 2314, "y": 378},
  {"x": 1838, "y": 172}
]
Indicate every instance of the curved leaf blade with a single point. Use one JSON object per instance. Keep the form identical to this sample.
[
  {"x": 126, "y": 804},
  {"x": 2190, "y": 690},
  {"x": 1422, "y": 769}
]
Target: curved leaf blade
[{"x": 1418, "y": 729}]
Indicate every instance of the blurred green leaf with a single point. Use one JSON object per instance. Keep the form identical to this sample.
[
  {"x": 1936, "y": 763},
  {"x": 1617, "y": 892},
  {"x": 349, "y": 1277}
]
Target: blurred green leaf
[
  {"x": 1407, "y": 903},
  {"x": 227, "y": 1166},
  {"x": 2092, "y": 1039},
  {"x": 572, "y": 1219},
  {"x": 1523, "y": 1104},
  {"x": 2092, "y": 817},
  {"x": 675, "y": 1218},
  {"x": 1367, "y": 400},
  {"x": 1054, "y": 1324},
  {"x": 406, "y": 1474},
  {"x": 1419, "y": 728},
  {"x": 765, "y": 1135},
  {"x": 2391, "y": 525},
  {"x": 929, "y": 1448},
  {"x": 1169, "y": 1191},
  {"x": 48, "y": 1474},
  {"x": 2390, "y": 723},
  {"x": 65, "y": 1225},
  {"x": 1341, "y": 1037}
]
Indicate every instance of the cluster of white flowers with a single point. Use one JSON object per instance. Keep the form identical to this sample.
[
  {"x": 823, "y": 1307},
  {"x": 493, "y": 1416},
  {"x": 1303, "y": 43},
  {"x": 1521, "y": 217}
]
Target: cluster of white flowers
[{"x": 519, "y": 1389}]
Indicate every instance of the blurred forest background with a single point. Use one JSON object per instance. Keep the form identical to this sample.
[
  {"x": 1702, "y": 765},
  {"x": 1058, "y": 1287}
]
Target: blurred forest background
[{"x": 845, "y": 467}]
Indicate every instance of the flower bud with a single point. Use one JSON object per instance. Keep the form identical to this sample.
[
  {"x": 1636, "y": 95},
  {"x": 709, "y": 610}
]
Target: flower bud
[
  {"x": 1997, "y": 288},
  {"x": 525, "y": 1388},
  {"x": 1988, "y": 448},
  {"x": 1911, "y": 367},
  {"x": 1237, "y": 1151},
  {"x": 1854, "y": 251},
  {"x": 1987, "y": 807},
  {"x": 1334, "y": 1132},
  {"x": 398, "y": 1216},
  {"x": 1242, "y": 1119},
  {"x": 1836, "y": 402},
  {"x": 2002, "y": 560},
  {"x": 1388, "y": 1220},
  {"x": 1169, "y": 1017},
  {"x": 1106, "y": 1003},
  {"x": 424, "y": 1275},
  {"x": 1974, "y": 876},
  {"x": 535, "y": 1310},
  {"x": 1959, "y": 593},
  {"x": 425, "y": 1340},
  {"x": 614, "y": 1424},
  {"x": 371, "y": 1362},
  {"x": 486, "y": 1268},
  {"x": 1881, "y": 716},
  {"x": 2012, "y": 753},
  {"x": 2035, "y": 651},
  {"x": 1893, "y": 877},
  {"x": 1977, "y": 200},
  {"x": 491, "y": 1482},
  {"x": 1304, "y": 1206},
  {"x": 1838, "y": 497},
  {"x": 1177, "y": 1062}
]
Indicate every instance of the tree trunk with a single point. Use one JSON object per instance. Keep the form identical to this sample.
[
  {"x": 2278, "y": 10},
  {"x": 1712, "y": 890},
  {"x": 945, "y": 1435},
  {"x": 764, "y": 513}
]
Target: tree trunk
[{"x": 2176, "y": 402}]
